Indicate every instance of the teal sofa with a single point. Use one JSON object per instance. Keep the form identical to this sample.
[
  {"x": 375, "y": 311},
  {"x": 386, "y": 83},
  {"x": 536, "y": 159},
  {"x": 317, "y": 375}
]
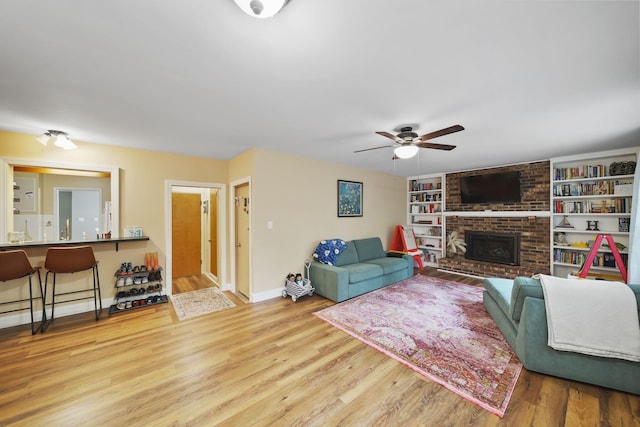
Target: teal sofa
[
  {"x": 517, "y": 307},
  {"x": 362, "y": 267}
]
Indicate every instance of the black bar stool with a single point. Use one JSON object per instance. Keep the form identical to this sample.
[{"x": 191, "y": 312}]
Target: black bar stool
[
  {"x": 16, "y": 265},
  {"x": 61, "y": 260}
]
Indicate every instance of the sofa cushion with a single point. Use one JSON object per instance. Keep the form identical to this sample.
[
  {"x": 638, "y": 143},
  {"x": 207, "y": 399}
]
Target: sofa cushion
[
  {"x": 370, "y": 248},
  {"x": 388, "y": 264},
  {"x": 362, "y": 271},
  {"x": 348, "y": 256},
  {"x": 523, "y": 287},
  {"x": 500, "y": 291}
]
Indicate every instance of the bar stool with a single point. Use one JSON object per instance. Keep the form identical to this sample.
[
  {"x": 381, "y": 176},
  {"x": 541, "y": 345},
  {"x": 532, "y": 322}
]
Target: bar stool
[
  {"x": 15, "y": 265},
  {"x": 62, "y": 260}
]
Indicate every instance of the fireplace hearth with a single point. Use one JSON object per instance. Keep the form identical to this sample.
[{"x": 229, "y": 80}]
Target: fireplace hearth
[{"x": 492, "y": 247}]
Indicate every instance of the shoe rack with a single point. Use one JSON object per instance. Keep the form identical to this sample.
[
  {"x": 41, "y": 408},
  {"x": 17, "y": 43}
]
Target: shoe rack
[{"x": 138, "y": 286}]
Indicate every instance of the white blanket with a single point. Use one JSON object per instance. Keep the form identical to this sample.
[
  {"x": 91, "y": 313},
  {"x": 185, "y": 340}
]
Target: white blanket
[{"x": 592, "y": 317}]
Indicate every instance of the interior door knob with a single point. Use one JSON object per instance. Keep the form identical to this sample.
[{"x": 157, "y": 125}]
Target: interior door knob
[{"x": 238, "y": 245}]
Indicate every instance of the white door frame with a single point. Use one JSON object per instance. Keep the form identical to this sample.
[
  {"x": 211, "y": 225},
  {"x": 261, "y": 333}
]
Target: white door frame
[
  {"x": 222, "y": 227},
  {"x": 232, "y": 235}
]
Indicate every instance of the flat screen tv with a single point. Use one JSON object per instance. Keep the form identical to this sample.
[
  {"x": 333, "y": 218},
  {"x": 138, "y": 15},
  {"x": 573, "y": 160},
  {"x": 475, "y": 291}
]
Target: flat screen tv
[{"x": 501, "y": 187}]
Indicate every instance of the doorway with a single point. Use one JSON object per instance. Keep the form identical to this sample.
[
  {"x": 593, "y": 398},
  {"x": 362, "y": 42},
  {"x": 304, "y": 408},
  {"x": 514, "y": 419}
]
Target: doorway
[
  {"x": 195, "y": 236},
  {"x": 77, "y": 213},
  {"x": 242, "y": 237}
]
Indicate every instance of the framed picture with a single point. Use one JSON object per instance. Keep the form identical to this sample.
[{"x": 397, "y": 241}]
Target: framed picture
[
  {"x": 349, "y": 198},
  {"x": 133, "y": 231},
  {"x": 623, "y": 224},
  {"x": 24, "y": 194}
]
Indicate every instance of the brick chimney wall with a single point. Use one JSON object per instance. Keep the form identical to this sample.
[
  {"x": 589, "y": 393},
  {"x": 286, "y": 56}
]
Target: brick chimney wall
[{"x": 534, "y": 230}]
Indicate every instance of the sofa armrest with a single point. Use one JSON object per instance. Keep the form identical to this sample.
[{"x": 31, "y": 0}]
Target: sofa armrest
[
  {"x": 329, "y": 281},
  {"x": 523, "y": 287}
]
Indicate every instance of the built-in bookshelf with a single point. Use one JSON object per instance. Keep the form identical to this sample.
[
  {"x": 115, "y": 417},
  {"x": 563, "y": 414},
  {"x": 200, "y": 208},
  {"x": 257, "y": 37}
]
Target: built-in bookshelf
[
  {"x": 425, "y": 205},
  {"x": 591, "y": 195}
]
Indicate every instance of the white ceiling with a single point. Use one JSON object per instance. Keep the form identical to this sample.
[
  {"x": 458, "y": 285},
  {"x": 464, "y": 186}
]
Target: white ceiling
[{"x": 528, "y": 80}]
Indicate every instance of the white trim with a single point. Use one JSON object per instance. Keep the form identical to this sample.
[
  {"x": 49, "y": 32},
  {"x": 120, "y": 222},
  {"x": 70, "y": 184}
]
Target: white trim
[
  {"x": 265, "y": 295},
  {"x": 6, "y": 162},
  {"x": 62, "y": 310},
  {"x": 490, "y": 213},
  {"x": 222, "y": 228},
  {"x": 444, "y": 270},
  {"x": 599, "y": 155}
]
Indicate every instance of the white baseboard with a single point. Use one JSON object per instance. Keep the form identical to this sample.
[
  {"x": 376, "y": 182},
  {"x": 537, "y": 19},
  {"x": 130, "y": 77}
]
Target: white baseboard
[
  {"x": 263, "y": 296},
  {"x": 62, "y": 310}
]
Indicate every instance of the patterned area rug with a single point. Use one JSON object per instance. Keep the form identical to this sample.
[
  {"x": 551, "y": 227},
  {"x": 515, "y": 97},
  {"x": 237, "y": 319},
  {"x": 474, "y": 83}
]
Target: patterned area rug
[
  {"x": 197, "y": 303},
  {"x": 441, "y": 330}
]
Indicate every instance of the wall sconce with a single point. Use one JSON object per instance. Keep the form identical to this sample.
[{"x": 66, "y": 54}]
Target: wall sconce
[
  {"x": 60, "y": 139},
  {"x": 261, "y": 8}
]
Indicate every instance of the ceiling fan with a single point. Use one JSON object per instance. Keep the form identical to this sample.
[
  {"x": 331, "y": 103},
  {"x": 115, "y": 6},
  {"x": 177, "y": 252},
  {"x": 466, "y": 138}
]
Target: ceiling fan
[{"x": 409, "y": 141}]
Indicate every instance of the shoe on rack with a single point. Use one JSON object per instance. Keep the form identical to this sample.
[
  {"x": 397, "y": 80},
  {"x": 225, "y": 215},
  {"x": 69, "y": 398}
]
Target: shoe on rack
[
  {"x": 120, "y": 282},
  {"x": 128, "y": 281}
]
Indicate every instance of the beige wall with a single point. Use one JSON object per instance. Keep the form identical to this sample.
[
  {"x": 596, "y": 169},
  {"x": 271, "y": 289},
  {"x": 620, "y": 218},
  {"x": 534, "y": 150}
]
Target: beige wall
[{"x": 297, "y": 194}]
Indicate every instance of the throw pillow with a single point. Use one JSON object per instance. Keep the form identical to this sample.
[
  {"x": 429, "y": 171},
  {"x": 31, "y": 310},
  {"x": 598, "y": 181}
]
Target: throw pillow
[{"x": 328, "y": 251}]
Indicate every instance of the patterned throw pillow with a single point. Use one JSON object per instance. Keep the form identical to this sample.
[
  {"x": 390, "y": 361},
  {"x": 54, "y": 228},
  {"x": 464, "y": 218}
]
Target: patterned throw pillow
[{"x": 328, "y": 251}]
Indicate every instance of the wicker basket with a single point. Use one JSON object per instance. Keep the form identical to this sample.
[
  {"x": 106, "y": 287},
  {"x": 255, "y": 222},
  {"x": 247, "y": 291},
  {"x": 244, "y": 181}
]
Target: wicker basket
[{"x": 622, "y": 168}]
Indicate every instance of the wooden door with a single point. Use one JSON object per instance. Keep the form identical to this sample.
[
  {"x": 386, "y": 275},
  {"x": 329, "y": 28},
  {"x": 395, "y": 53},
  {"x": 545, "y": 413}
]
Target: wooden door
[
  {"x": 242, "y": 210},
  {"x": 185, "y": 234},
  {"x": 213, "y": 230}
]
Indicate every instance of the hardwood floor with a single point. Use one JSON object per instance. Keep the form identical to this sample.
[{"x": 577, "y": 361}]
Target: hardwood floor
[
  {"x": 270, "y": 363},
  {"x": 190, "y": 283}
]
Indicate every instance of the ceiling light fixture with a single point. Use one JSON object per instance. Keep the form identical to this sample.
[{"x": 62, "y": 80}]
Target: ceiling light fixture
[
  {"x": 406, "y": 151},
  {"x": 60, "y": 139},
  {"x": 261, "y": 8}
]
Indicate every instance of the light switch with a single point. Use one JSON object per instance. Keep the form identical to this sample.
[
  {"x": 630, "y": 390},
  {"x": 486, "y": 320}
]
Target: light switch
[{"x": 269, "y": 225}]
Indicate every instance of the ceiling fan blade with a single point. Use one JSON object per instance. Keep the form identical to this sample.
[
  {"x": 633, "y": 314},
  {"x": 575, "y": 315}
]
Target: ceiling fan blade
[
  {"x": 389, "y": 135},
  {"x": 435, "y": 146},
  {"x": 441, "y": 132},
  {"x": 374, "y": 148}
]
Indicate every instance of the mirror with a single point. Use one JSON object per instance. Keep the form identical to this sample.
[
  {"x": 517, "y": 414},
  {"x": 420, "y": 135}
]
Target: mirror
[{"x": 35, "y": 192}]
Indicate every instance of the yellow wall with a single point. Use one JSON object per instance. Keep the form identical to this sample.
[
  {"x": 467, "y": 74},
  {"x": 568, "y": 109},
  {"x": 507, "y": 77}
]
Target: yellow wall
[{"x": 297, "y": 194}]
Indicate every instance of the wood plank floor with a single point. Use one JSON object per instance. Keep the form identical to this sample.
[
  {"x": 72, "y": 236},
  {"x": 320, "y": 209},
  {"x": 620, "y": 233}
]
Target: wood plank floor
[{"x": 270, "y": 363}]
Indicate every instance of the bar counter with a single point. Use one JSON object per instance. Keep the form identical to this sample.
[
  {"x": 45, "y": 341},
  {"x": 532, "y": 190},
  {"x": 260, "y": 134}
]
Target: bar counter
[{"x": 48, "y": 243}]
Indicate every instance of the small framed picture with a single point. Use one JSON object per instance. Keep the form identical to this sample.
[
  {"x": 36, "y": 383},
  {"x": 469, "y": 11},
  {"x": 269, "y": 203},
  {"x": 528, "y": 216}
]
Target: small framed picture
[
  {"x": 623, "y": 224},
  {"x": 349, "y": 198},
  {"x": 133, "y": 231}
]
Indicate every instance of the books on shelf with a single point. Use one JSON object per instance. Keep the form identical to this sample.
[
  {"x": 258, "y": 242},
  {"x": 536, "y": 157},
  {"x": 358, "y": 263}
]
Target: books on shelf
[
  {"x": 618, "y": 205},
  {"x": 583, "y": 171}
]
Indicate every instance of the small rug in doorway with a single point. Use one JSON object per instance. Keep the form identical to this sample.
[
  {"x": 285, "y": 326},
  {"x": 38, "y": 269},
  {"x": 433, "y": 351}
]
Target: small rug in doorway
[
  {"x": 197, "y": 303},
  {"x": 441, "y": 330}
]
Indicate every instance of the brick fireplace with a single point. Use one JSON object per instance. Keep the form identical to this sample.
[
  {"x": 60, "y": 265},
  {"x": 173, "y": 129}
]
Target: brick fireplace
[{"x": 527, "y": 219}]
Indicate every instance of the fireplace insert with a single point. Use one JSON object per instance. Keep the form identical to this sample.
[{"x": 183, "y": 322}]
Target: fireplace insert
[{"x": 492, "y": 247}]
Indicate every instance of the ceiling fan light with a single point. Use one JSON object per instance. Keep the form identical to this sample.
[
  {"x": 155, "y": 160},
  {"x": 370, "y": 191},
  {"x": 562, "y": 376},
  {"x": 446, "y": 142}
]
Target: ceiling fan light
[
  {"x": 261, "y": 8},
  {"x": 406, "y": 151}
]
